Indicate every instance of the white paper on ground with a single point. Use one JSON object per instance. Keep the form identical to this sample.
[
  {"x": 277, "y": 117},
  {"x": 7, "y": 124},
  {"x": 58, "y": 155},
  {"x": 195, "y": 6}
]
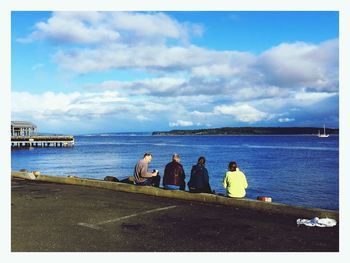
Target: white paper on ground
[{"x": 320, "y": 222}]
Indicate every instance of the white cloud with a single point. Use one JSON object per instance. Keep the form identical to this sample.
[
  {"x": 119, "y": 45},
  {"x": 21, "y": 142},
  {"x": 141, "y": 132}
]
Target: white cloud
[
  {"x": 142, "y": 118},
  {"x": 285, "y": 119},
  {"x": 74, "y": 27},
  {"x": 154, "y": 86},
  {"x": 200, "y": 114},
  {"x": 231, "y": 64},
  {"x": 109, "y": 85},
  {"x": 304, "y": 97},
  {"x": 278, "y": 72},
  {"x": 191, "y": 85},
  {"x": 242, "y": 113},
  {"x": 301, "y": 65},
  {"x": 107, "y": 27},
  {"x": 150, "y": 25},
  {"x": 24, "y": 101},
  {"x": 253, "y": 91},
  {"x": 181, "y": 123},
  {"x": 135, "y": 40},
  {"x": 146, "y": 57},
  {"x": 111, "y": 106},
  {"x": 215, "y": 70},
  {"x": 77, "y": 105}
]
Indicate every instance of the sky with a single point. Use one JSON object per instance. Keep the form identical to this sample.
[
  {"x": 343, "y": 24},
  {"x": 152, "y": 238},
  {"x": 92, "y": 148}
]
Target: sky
[{"x": 92, "y": 72}]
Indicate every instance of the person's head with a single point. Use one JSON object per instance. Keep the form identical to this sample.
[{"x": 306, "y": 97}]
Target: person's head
[
  {"x": 201, "y": 160},
  {"x": 147, "y": 157},
  {"x": 176, "y": 157},
  {"x": 232, "y": 166}
]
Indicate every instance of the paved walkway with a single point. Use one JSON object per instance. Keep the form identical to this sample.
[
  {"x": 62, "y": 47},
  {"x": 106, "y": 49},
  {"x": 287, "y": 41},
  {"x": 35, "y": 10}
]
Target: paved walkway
[{"x": 59, "y": 217}]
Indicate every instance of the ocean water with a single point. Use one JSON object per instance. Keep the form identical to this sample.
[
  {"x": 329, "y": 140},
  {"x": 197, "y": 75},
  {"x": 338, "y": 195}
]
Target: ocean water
[{"x": 296, "y": 170}]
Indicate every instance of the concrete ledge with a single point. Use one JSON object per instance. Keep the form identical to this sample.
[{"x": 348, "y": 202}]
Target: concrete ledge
[{"x": 297, "y": 211}]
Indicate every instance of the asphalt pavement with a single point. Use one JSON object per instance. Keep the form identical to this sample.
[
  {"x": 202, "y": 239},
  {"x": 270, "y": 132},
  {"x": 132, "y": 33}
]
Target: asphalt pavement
[{"x": 70, "y": 218}]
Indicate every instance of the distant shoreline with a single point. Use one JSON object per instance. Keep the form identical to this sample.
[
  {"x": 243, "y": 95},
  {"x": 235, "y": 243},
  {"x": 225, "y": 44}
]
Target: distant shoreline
[
  {"x": 228, "y": 135},
  {"x": 234, "y": 131}
]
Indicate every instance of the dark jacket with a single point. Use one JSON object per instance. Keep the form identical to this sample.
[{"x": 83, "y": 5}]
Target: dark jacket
[
  {"x": 174, "y": 174},
  {"x": 199, "y": 181}
]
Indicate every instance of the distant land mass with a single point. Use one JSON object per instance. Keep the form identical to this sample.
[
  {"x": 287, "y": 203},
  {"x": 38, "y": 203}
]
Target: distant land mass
[
  {"x": 117, "y": 134},
  {"x": 250, "y": 131},
  {"x": 49, "y": 134}
]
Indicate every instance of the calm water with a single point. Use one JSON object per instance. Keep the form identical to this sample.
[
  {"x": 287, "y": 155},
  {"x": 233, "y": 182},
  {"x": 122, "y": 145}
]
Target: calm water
[{"x": 297, "y": 170}]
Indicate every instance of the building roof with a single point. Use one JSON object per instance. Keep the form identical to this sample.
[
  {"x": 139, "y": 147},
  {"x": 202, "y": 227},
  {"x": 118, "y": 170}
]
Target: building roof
[{"x": 23, "y": 124}]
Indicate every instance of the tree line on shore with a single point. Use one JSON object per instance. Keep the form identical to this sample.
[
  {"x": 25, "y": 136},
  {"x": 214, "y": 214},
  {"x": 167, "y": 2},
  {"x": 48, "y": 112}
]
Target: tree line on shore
[{"x": 250, "y": 131}]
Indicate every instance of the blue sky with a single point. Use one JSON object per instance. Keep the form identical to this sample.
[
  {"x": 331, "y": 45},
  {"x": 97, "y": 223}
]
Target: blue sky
[{"x": 87, "y": 72}]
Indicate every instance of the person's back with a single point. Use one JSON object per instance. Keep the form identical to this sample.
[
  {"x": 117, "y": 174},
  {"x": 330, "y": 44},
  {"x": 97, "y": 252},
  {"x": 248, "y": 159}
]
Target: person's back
[
  {"x": 142, "y": 176},
  {"x": 140, "y": 171},
  {"x": 235, "y": 182},
  {"x": 199, "y": 181},
  {"x": 174, "y": 175}
]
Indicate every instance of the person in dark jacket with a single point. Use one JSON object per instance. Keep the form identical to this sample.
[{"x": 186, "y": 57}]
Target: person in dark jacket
[
  {"x": 199, "y": 181},
  {"x": 174, "y": 174}
]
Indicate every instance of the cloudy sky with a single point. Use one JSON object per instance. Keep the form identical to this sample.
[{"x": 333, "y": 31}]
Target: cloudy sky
[{"x": 89, "y": 72}]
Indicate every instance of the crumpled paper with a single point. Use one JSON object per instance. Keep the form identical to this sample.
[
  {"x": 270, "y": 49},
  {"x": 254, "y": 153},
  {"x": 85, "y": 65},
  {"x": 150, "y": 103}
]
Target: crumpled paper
[{"x": 319, "y": 222}]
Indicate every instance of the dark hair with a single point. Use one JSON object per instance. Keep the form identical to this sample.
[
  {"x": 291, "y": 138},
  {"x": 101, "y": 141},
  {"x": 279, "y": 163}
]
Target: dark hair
[
  {"x": 201, "y": 160},
  {"x": 147, "y": 154},
  {"x": 232, "y": 166}
]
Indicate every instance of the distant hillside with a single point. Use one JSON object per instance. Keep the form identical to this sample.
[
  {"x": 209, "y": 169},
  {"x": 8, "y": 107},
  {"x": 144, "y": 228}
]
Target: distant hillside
[
  {"x": 249, "y": 131},
  {"x": 117, "y": 134},
  {"x": 49, "y": 134}
]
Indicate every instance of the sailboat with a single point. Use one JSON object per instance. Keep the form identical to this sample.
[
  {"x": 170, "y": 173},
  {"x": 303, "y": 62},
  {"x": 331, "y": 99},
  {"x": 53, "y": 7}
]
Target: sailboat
[{"x": 324, "y": 135}]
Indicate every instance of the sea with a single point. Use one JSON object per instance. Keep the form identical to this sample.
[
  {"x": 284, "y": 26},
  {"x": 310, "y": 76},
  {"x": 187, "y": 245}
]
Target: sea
[{"x": 300, "y": 170}]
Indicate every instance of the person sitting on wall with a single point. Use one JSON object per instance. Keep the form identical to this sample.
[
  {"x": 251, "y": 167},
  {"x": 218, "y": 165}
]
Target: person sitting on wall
[
  {"x": 141, "y": 174},
  {"x": 235, "y": 181},
  {"x": 199, "y": 181},
  {"x": 174, "y": 174}
]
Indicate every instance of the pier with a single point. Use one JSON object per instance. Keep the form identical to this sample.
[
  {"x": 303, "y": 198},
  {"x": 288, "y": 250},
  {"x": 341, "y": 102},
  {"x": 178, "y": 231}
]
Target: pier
[
  {"x": 24, "y": 134},
  {"x": 42, "y": 141}
]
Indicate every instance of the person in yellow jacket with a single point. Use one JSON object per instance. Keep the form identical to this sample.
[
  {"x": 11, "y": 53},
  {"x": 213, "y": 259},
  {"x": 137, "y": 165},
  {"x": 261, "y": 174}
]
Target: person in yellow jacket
[{"x": 235, "y": 181}]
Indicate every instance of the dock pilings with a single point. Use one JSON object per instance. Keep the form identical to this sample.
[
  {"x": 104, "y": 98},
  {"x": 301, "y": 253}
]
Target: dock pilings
[{"x": 41, "y": 141}]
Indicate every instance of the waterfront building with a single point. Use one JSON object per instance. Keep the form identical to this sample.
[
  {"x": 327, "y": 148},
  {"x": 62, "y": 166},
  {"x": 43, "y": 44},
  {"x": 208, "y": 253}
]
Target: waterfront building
[
  {"x": 23, "y": 128},
  {"x": 24, "y": 134}
]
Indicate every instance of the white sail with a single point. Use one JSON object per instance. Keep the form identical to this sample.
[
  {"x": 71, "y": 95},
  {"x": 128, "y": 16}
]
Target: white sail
[{"x": 324, "y": 135}]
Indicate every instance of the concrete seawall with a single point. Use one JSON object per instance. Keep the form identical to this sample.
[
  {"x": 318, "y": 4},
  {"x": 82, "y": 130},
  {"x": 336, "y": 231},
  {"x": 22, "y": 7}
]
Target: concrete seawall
[{"x": 202, "y": 197}]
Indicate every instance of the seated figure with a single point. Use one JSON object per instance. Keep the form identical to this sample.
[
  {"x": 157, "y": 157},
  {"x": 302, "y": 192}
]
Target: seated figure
[
  {"x": 141, "y": 174},
  {"x": 174, "y": 174},
  {"x": 235, "y": 181},
  {"x": 199, "y": 181}
]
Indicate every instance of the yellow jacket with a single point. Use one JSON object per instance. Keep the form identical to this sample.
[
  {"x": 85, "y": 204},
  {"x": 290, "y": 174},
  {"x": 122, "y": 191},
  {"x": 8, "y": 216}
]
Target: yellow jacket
[{"x": 236, "y": 183}]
